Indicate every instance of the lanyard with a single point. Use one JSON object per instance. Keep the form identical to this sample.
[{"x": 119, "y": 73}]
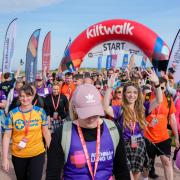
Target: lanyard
[
  {"x": 26, "y": 125},
  {"x": 35, "y": 102},
  {"x": 132, "y": 126},
  {"x": 86, "y": 151},
  {"x": 55, "y": 107}
]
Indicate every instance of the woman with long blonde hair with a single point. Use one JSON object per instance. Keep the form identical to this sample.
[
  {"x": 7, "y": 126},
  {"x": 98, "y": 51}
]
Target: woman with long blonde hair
[{"x": 131, "y": 118}]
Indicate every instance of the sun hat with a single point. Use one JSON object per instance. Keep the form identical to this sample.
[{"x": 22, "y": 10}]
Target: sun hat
[{"x": 87, "y": 101}]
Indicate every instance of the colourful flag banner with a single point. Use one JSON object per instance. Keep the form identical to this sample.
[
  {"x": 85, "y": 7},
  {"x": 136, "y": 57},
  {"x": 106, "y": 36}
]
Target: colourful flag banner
[
  {"x": 174, "y": 60},
  {"x": 108, "y": 62},
  {"x": 125, "y": 61},
  {"x": 9, "y": 47},
  {"x": 114, "y": 60},
  {"x": 31, "y": 56},
  {"x": 66, "y": 60},
  {"x": 46, "y": 53},
  {"x": 99, "y": 63},
  {"x": 70, "y": 66}
]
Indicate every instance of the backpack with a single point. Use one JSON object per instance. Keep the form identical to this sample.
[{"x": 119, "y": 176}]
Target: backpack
[{"x": 67, "y": 131}]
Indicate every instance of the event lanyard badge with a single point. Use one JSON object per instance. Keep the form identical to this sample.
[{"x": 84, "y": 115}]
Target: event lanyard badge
[
  {"x": 22, "y": 144},
  {"x": 86, "y": 151},
  {"x": 134, "y": 143},
  {"x": 55, "y": 114}
]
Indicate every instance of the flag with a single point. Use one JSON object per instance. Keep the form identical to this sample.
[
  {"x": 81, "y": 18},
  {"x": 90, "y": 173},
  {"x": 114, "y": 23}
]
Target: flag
[
  {"x": 46, "y": 52},
  {"x": 108, "y": 62},
  {"x": 9, "y": 46},
  {"x": 31, "y": 56},
  {"x": 144, "y": 62},
  {"x": 70, "y": 66},
  {"x": 66, "y": 60},
  {"x": 174, "y": 60},
  {"x": 114, "y": 60},
  {"x": 125, "y": 61},
  {"x": 99, "y": 63}
]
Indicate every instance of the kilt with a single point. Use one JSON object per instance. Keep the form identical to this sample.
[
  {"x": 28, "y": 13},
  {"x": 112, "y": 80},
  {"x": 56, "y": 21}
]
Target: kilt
[{"x": 137, "y": 158}]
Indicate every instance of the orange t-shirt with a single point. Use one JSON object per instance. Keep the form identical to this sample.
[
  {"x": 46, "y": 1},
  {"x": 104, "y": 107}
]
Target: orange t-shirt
[
  {"x": 68, "y": 89},
  {"x": 116, "y": 102},
  {"x": 159, "y": 132}
]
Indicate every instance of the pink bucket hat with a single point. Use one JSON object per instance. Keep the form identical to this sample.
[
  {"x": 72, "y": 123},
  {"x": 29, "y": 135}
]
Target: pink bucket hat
[{"x": 87, "y": 101}]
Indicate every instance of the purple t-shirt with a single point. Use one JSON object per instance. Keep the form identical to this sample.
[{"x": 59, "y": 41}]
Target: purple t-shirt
[
  {"x": 2, "y": 96},
  {"x": 127, "y": 132}
]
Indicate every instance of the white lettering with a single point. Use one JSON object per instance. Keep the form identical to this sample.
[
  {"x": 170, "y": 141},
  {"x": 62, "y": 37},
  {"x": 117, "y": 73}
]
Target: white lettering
[{"x": 100, "y": 30}]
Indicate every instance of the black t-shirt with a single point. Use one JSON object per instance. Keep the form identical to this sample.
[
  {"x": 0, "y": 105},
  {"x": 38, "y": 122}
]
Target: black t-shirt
[
  {"x": 62, "y": 109},
  {"x": 6, "y": 86},
  {"x": 55, "y": 162}
]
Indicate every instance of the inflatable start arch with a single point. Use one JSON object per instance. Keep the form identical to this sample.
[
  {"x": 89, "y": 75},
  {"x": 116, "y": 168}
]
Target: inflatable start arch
[{"x": 117, "y": 35}]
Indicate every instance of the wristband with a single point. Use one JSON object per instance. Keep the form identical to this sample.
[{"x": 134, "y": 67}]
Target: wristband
[{"x": 157, "y": 86}]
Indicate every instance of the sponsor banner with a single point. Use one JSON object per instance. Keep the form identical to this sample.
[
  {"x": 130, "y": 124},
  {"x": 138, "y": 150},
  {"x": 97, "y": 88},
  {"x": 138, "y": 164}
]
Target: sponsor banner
[
  {"x": 46, "y": 53},
  {"x": 99, "y": 63},
  {"x": 174, "y": 60},
  {"x": 31, "y": 56},
  {"x": 125, "y": 61},
  {"x": 108, "y": 62},
  {"x": 114, "y": 60},
  {"x": 114, "y": 47},
  {"x": 9, "y": 46}
]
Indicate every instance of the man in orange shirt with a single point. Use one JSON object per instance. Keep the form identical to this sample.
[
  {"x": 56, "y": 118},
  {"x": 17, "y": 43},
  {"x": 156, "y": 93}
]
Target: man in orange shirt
[
  {"x": 68, "y": 87},
  {"x": 158, "y": 140}
]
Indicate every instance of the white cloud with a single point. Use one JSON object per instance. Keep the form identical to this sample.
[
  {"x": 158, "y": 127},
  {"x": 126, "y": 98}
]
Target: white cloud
[{"x": 7, "y": 6}]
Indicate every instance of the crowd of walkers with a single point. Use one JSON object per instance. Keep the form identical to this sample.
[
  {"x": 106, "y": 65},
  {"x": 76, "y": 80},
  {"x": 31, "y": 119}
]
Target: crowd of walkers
[{"x": 92, "y": 125}]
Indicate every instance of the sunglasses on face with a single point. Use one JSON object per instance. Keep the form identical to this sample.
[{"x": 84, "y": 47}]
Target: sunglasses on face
[
  {"x": 98, "y": 87},
  {"x": 162, "y": 88}
]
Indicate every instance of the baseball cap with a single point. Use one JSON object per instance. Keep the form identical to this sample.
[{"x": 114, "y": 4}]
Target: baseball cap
[{"x": 87, "y": 101}]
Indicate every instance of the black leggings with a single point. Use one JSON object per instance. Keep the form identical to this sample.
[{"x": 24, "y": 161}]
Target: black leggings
[{"x": 29, "y": 168}]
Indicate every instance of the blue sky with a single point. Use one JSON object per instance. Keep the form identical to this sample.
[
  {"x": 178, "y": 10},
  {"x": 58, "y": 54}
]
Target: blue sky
[{"x": 67, "y": 18}]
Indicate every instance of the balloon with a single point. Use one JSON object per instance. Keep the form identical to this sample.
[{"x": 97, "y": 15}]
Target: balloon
[{"x": 118, "y": 30}]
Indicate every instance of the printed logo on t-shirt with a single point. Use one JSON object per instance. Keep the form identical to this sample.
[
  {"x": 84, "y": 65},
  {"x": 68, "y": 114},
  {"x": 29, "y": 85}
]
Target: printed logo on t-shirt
[{"x": 19, "y": 124}]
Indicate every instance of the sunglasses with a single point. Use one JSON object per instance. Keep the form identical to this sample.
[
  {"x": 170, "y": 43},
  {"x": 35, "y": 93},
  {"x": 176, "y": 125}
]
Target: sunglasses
[{"x": 162, "y": 88}]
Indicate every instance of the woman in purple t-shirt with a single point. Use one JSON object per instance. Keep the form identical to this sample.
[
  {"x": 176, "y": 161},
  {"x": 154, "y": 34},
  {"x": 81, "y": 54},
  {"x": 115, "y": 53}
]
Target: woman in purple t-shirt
[{"x": 131, "y": 118}]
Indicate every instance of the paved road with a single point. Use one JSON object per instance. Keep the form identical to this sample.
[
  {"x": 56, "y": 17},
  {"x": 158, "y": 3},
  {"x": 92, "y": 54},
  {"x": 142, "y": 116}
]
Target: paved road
[{"x": 159, "y": 170}]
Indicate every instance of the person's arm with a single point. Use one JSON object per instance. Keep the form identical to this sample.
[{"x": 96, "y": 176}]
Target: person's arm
[
  {"x": 173, "y": 124},
  {"x": 5, "y": 149},
  {"x": 55, "y": 157},
  {"x": 66, "y": 105},
  {"x": 106, "y": 101},
  {"x": 46, "y": 135},
  {"x": 45, "y": 131},
  {"x": 158, "y": 92},
  {"x": 171, "y": 90},
  {"x": 120, "y": 168},
  {"x": 18, "y": 71}
]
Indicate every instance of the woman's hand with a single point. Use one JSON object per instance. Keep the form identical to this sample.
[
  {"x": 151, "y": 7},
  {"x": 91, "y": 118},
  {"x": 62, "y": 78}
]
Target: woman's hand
[
  {"x": 112, "y": 80},
  {"x": 152, "y": 76},
  {"x": 5, "y": 164}
]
